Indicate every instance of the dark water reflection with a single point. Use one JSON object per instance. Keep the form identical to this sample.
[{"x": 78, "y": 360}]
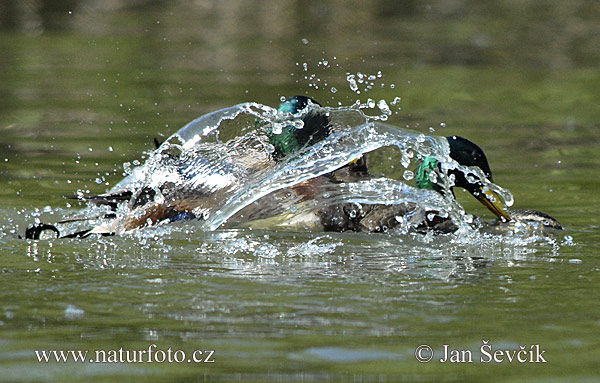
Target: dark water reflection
[
  {"x": 87, "y": 85},
  {"x": 521, "y": 33}
]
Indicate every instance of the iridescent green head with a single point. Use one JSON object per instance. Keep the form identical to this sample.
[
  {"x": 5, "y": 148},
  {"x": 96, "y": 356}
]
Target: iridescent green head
[
  {"x": 466, "y": 153},
  {"x": 424, "y": 178},
  {"x": 291, "y": 139}
]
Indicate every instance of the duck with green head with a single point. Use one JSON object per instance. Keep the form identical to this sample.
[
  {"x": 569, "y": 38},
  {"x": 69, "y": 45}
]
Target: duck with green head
[
  {"x": 184, "y": 203},
  {"x": 189, "y": 198},
  {"x": 291, "y": 139},
  {"x": 467, "y": 153},
  {"x": 378, "y": 217},
  {"x": 375, "y": 218}
]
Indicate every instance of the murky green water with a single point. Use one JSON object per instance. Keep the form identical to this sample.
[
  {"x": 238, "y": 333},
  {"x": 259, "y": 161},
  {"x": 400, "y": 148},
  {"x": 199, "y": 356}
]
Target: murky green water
[{"x": 83, "y": 92}]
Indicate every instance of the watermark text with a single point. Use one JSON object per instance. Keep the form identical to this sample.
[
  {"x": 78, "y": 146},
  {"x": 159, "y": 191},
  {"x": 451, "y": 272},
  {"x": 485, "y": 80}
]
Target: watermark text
[
  {"x": 150, "y": 355},
  {"x": 485, "y": 354}
]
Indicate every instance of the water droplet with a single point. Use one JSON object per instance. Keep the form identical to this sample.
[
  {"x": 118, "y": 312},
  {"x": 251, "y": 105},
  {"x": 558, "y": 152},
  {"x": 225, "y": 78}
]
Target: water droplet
[
  {"x": 433, "y": 177},
  {"x": 383, "y": 106},
  {"x": 405, "y": 160},
  {"x": 351, "y": 79},
  {"x": 305, "y": 41},
  {"x": 277, "y": 128},
  {"x": 127, "y": 168},
  {"x": 333, "y": 90},
  {"x": 568, "y": 240},
  {"x": 408, "y": 175},
  {"x": 269, "y": 148}
]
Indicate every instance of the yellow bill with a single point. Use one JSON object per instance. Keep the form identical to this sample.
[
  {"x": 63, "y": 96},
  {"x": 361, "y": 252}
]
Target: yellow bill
[{"x": 494, "y": 203}]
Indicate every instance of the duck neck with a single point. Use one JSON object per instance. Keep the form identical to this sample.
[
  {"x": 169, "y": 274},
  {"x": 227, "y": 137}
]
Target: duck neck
[{"x": 423, "y": 179}]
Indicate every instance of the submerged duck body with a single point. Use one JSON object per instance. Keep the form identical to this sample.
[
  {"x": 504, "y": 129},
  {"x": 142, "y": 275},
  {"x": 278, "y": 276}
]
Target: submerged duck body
[{"x": 534, "y": 220}]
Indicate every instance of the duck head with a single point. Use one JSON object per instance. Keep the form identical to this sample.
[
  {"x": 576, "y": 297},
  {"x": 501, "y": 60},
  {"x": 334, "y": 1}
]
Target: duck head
[
  {"x": 466, "y": 153},
  {"x": 316, "y": 127}
]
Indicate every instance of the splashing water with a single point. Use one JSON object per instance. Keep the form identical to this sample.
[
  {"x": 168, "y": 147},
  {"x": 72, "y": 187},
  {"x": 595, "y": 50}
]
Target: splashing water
[
  {"x": 225, "y": 157},
  {"x": 233, "y": 175},
  {"x": 223, "y": 162}
]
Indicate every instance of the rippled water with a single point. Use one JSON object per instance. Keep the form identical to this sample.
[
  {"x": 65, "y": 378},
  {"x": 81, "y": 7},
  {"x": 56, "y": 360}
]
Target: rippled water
[{"x": 82, "y": 93}]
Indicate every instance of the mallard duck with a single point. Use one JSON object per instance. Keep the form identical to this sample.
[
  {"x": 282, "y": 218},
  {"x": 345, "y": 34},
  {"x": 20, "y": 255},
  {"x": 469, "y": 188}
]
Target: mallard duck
[
  {"x": 188, "y": 200},
  {"x": 200, "y": 180},
  {"x": 378, "y": 217}
]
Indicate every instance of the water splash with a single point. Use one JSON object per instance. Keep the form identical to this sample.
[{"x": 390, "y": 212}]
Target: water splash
[
  {"x": 233, "y": 174},
  {"x": 225, "y": 157}
]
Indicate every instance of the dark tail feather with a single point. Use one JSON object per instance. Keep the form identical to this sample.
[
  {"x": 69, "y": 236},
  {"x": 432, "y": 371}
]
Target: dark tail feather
[
  {"x": 111, "y": 200},
  {"x": 84, "y": 234},
  {"x": 36, "y": 232}
]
